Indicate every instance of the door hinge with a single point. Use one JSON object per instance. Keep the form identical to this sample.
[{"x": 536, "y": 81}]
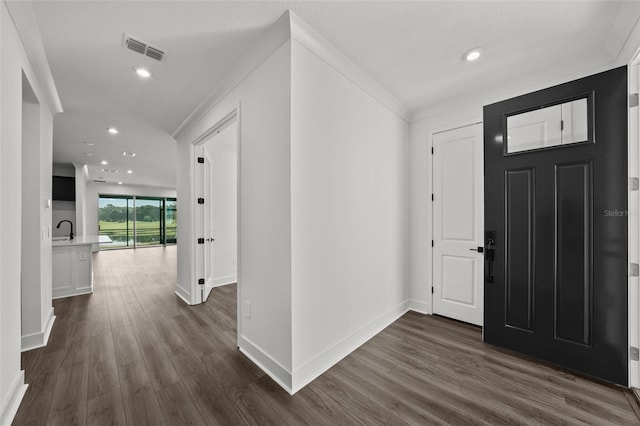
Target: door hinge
[
  {"x": 200, "y": 240},
  {"x": 431, "y": 290},
  {"x": 432, "y": 197},
  {"x": 432, "y": 150},
  {"x": 633, "y": 100},
  {"x": 431, "y": 243},
  {"x": 200, "y": 200},
  {"x": 634, "y": 270},
  {"x": 200, "y": 160},
  {"x": 634, "y": 353},
  {"x": 201, "y": 281},
  {"x": 634, "y": 184}
]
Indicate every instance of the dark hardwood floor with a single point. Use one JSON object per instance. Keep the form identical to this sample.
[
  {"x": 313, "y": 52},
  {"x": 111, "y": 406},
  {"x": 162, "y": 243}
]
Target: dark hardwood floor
[{"x": 132, "y": 353}]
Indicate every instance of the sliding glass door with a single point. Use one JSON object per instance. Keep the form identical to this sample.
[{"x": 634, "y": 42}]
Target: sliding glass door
[
  {"x": 115, "y": 216},
  {"x": 132, "y": 221},
  {"x": 149, "y": 221},
  {"x": 171, "y": 220}
]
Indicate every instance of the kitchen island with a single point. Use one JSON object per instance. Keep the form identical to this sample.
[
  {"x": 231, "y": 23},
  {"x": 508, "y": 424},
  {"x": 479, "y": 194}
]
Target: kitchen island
[{"x": 72, "y": 265}]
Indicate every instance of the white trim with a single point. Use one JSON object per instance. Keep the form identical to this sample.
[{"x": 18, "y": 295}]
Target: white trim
[
  {"x": 222, "y": 281},
  {"x": 506, "y": 90},
  {"x": 27, "y": 27},
  {"x": 629, "y": 51},
  {"x": 419, "y": 307},
  {"x": 10, "y": 405},
  {"x": 313, "y": 41},
  {"x": 183, "y": 295},
  {"x": 194, "y": 146},
  {"x": 40, "y": 339},
  {"x": 305, "y": 374},
  {"x": 273, "y": 38},
  {"x": 428, "y": 305},
  {"x": 238, "y": 223},
  {"x": 266, "y": 362},
  {"x": 633, "y": 225},
  {"x": 290, "y": 26},
  {"x": 60, "y": 294}
]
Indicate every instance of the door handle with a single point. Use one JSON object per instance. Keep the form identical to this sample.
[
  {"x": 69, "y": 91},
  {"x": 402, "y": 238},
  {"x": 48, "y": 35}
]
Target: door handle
[
  {"x": 479, "y": 249},
  {"x": 490, "y": 254}
]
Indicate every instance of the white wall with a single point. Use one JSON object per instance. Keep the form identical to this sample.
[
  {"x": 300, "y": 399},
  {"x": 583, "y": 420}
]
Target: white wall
[
  {"x": 349, "y": 184},
  {"x": 262, "y": 88},
  {"x": 13, "y": 62},
  {"x": 223, "y": 151},
  {"x": 81, "y": 173},
  {"x": 455, "y": 113},
  {"x": 323, "y": 202}
]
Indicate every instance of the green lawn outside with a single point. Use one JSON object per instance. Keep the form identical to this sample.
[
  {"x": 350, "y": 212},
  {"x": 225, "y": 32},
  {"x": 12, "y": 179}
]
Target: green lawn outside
[{"x": 147, "y": 232}]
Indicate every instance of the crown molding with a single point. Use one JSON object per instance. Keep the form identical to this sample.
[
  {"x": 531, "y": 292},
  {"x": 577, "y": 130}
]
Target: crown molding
[
  {"x": 274, "y": 37},
  {"x": 289, "y": 26},
  {"x": 25, "y": 22},
  {"x": 313, "y": 41}
]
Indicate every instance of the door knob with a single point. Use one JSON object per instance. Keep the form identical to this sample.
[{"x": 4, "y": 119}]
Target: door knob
[{"x": 489, "y": 254}]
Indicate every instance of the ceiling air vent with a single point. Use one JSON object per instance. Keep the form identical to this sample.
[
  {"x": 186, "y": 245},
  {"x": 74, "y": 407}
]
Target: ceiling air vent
[
  {"x": 100, "y": 181},
  {"x": 142, "y": 47}
]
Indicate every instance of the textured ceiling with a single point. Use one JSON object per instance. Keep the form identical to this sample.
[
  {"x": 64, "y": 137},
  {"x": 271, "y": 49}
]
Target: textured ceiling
[{"x": 413, "y": 49}]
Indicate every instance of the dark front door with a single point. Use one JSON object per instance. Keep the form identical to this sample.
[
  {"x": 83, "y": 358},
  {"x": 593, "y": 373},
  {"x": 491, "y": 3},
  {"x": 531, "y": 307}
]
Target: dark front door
[{"x": 555, "y": 164}]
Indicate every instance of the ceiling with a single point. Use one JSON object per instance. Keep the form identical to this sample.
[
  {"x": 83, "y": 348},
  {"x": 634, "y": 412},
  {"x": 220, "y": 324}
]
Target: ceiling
[{"x": 413, "y": 49}]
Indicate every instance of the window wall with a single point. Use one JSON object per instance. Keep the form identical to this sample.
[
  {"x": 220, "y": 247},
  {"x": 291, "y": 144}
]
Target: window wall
[{"x": 132, "y": 221}]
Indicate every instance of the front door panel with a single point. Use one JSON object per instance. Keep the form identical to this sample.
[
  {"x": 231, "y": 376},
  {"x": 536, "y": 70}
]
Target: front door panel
[{"x": 559, "y": 290}]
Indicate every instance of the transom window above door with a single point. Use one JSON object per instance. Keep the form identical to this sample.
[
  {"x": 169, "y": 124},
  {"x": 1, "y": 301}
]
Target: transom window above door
[{"x": 549, "y": 126}]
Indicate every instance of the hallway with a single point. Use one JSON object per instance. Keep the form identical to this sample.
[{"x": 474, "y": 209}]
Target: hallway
[{"x": 133, "y": 353}]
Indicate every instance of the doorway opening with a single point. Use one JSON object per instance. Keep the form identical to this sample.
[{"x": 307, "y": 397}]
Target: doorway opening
[
  {"x": 36, "y": 311},
  {"x": 216, "y": 214}
]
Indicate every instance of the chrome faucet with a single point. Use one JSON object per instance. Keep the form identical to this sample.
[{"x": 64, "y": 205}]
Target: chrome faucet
[{"x": 60, "y": 223}]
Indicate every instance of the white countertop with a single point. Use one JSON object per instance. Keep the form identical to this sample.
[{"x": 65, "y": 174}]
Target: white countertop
[{"x": 81, "y": 240}]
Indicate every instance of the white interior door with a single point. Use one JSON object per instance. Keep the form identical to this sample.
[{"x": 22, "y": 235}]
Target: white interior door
[
  {"x": 203, "y": 222},
  {"x": 208, "y": 226},
  {"x": 458, "y": 221}
]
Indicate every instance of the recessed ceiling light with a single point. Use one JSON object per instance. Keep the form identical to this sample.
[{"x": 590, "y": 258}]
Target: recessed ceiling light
[
  {"x": 143, "y": 72},
  {"x": 112, "y": 130},
  {"x": 119, "y": 183},
  {"x": 128, "y": 154},
  {"x": 472, "y": 54},
  {"x": 104, "y": 162},
  {"x": 129, "y": 171}
]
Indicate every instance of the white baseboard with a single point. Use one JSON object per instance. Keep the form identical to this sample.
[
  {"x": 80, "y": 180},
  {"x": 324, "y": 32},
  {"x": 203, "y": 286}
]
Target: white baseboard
[
  {"x": 183, "y": 294},
  {"x": 10, "y": 405},
  {"x": 59, "y": 294},
  {"x": 266, "y": 363},
  {"x": 40, "y": 339},
  {"x": 219, "y": 282},
  {"x": 305, "y": 374},
  {"x": 418, "y": 306}
]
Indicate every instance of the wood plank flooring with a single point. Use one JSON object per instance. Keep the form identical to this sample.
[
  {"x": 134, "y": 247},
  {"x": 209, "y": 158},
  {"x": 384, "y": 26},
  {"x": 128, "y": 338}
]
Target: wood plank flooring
[{"x": 133, "y": 354}]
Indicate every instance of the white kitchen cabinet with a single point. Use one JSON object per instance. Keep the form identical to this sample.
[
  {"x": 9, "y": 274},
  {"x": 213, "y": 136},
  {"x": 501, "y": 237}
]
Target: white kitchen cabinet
[{"x": 73, "y": 267}]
